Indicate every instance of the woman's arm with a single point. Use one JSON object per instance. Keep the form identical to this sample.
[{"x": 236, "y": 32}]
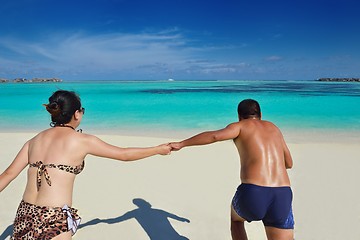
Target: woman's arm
[
  {"x": 15, "y": 168},
  {"x": 97, "y": 147}
]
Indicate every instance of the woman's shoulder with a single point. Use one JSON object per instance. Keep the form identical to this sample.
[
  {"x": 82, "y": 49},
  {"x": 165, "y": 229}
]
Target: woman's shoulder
[
  {"x": 85, "y": 135},
  {"x": 87, "y": 138},
  {"x": 39, "y": 135}
]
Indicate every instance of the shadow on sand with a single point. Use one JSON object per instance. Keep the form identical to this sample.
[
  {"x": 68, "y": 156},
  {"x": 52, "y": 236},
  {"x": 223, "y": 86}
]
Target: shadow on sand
[
  {"x": 155, "y": 222},
  {"x": 7, "y": 233}
]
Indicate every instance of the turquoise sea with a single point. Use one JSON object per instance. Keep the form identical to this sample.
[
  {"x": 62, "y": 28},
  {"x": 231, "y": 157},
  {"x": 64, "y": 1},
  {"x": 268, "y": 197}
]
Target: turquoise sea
[{"x": 156, "y": 106}]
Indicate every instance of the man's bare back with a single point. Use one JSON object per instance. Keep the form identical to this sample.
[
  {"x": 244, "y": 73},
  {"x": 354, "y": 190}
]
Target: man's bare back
[
  {"x": 264, "y": 193},
  {"x": 263, "y": 153}
]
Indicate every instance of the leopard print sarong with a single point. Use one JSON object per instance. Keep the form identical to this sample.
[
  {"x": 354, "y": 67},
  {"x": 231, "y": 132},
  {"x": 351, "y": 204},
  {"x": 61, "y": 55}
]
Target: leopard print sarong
[{"x": 37, "y": 222}]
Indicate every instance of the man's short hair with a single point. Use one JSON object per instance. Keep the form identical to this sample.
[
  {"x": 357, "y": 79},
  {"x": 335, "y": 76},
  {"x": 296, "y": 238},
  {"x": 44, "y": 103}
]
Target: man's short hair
[{"x": 249, "y": 108}]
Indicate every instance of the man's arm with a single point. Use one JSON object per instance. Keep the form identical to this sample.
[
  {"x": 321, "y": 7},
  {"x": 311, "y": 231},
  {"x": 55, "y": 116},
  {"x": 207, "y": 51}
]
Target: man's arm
[
  {"x": 287, "y": 156},
  {"x": 229, "y": 132}
]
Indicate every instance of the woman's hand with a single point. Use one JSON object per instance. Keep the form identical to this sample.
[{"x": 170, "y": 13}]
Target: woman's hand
[
  {"x": 176, "y": 146},
  {"x": 164, "y": 149}
]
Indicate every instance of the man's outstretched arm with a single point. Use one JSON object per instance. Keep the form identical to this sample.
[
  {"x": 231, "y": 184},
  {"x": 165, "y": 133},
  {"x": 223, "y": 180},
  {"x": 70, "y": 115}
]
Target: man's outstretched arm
[{"x": 229, "y": 132}]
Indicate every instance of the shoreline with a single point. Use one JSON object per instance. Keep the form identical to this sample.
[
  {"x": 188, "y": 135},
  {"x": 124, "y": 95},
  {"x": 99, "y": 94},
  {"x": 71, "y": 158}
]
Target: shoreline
[{"x": 290, "y": 135}]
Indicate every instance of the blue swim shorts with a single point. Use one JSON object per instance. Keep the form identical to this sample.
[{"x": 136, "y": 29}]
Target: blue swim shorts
[{"x": 271, "y": 205}]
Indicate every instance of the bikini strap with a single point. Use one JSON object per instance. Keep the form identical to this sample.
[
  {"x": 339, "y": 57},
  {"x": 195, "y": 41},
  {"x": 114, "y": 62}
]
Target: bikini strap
[{"x": 42, "y": 170}]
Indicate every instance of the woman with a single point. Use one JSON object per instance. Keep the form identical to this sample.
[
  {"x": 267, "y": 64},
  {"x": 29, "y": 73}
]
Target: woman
[{"x": 55, "y": 156}]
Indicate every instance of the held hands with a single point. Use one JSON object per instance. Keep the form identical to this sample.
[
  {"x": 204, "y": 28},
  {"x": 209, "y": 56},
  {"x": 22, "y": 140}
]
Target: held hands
[
  {"x": 175, "y": 146},
  {"x": 166, "y": 149}
]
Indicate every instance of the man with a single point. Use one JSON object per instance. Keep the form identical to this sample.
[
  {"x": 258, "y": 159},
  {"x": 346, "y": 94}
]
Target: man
[{"x": 264, "y": 193}]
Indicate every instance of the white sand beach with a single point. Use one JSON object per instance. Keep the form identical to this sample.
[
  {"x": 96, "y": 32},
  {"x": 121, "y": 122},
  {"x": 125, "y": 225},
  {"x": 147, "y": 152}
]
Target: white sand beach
[{"x": 198, "y": 184}]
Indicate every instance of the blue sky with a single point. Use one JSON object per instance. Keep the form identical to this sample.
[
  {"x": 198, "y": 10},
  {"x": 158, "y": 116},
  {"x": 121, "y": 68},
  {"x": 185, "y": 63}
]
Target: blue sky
[{"x": 180, "y": 39}]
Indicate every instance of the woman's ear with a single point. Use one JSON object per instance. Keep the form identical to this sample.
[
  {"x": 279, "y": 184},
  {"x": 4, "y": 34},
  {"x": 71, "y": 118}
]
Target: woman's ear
[{"x": 77, "y": 115}]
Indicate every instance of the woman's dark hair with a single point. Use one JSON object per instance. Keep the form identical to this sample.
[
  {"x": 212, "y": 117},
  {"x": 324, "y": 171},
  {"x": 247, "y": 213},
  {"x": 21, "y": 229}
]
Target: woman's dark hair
[
  {"x": 62, "y": 106},
  {"x": 249, "y": 108}
]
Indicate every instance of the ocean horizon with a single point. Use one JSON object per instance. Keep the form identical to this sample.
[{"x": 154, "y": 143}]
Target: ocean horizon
[{"x": 186, "y": 106}]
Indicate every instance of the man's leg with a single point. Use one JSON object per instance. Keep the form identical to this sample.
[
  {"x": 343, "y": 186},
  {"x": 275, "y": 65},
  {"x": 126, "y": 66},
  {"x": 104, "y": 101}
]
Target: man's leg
[
  {"x": 237, "y": 226},
  {"x": 273, "y": 233}
]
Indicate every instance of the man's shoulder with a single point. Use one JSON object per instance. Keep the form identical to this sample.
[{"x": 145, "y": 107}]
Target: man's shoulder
[
  {"x": 235, "y": 125},
  {"x": 249, "y": 122},
  {"x": 271, "y": 124},
  {"x": 258, "y": 124},
  {"x": 268, "y": 123}
]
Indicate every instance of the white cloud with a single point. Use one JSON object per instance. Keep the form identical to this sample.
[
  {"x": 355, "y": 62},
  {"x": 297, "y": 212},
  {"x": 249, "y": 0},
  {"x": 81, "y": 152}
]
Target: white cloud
[
  {"x": 108, "y": 52},
  {"x": 145, "y": 53},
  {"x": 273, "y": 58}
]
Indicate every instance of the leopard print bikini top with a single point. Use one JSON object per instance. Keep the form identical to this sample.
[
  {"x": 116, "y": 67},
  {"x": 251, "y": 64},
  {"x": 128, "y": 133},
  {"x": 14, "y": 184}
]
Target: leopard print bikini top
[{"x": 41, "y": 169}]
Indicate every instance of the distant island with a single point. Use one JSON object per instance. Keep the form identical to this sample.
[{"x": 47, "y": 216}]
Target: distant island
[
  {"x": 34, "y": 80},
  {"x": 339, "y": 79}
]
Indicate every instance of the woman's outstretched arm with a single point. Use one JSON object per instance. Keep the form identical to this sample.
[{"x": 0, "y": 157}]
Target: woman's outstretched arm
[{"x": 97, "y": 147}]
